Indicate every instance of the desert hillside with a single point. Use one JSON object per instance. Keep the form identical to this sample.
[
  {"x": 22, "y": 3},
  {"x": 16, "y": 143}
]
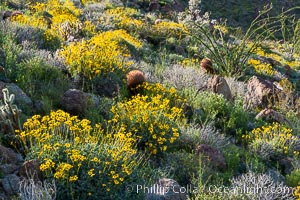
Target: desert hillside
[{"x": 149, "y": 99}]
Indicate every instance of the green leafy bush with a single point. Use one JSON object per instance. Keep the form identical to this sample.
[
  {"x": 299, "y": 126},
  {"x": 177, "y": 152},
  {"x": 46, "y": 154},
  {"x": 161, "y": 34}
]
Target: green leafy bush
[
  {"x": 183, "y": 166},
  {"x": 293, "y": 179}
]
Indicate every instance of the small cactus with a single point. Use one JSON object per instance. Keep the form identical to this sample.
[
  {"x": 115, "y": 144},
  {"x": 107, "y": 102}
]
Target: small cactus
[
  {"x": 9, "y": 112},
  {"x": 135, "y": 78}
]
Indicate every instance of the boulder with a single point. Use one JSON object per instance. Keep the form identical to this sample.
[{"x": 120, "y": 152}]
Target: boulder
[
  {"x": 286, "y": 165},
  {"x": 211, "y": 156},
  {"x": 31, "y": 170},
  {"x": 21, "y": 99},
  {"x": 271, "y": 115},
  {"x": 154, "y": 5},
  {"x": 166, "y": 189},
  {"x": 76, "y": 102},
  {"x": 8, "y": 156},
  {"x": 218, "y": 85},
  {"x": 73, "y": 102},
  {"x": 8, "y": 168},
  {"x": 261, "y": 93},
  {"x": 10, "y": 184}
]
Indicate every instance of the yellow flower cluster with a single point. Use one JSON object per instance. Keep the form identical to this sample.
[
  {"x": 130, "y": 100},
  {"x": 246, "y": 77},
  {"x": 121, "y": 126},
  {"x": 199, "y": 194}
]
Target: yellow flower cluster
[
  {"x": 223, "y": 29},
  {"x": 279, "y": 137},
  {"x": 169, "y": 29},
  {"x": 158, "y": 89},
  {"x": 293, "y": 64},
  {"x": 70, "y": 149},
  {"x": 124, "y": 18},
  {"x": 297, "y": 192},
  {"x": 189, "y": 62},
  {"x": 102, "y": 53},
  {"x": 262, "y": 68},
  {"x": 60, "y": 12},
  {"x": 150, "y": 118}
]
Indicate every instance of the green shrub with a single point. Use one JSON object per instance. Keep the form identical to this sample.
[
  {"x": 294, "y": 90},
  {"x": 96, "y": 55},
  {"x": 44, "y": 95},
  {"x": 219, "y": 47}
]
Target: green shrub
[
  {"x": 293, "y": 179},
  {"x": 213, "y": 105},
  {"x": 39, "y": 80},
  {"x": 183, "y": 166}
]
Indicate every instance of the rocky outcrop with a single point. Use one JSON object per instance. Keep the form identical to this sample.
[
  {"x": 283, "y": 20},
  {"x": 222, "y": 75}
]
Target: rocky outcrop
[
  {"x": 10, "y": 184},
  {"x": 218, "y": 85},
  {"x": 154, "y": 5},
  {"x": 21, "y": 98},
  {"x": 10, "y": 163},
  {"x": 260, "y": 93},
  {"x": 8, "y": 156},
  {"x": 271, "y": 116},
  {"x": 76, "y": 102}
]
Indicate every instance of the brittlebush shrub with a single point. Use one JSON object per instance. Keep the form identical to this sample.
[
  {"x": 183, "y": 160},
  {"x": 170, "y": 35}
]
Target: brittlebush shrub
[
  {"x": 151, "y": 118},
  {"x": 124, "y": 18},
  {"x": 273, "y": 140},
  {"x": 103, "y": 53},
  {"x": 85, "y": 161},
  {"x": 64, "y": 19},
  {"x": 150, "y": 89},
  {"x": 169, "y": 29},
  {"x": 297, "y": 192}
]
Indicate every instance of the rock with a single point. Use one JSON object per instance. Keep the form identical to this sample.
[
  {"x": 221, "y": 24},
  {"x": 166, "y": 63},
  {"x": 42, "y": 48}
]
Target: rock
[
  {"x": 2, "y": 194},
  {"x": 166, "y": 189},
  {"x": 76, "y": 102},
  {"x": 153, "y": 5},
  {"x": 10, "y": 184},
  {"x": 211, "y": 156},
  {"x": 21, "y": 99},
  {"x": 92, "y": 100},
  {"x": 6, "y": 14},
  {"x": 8, "y": 168},
  {"x": 73, "y": 102},
  {"x": 271, "y": 115},
  {"x": 166, "y": 8},
  {"x": 218, "y": 85},
  {"x": 286, "y": 164},
  {"x": 31, "y": 170},
  {"x": 8, "y": 156},
  {"x": 260, "y": 93}
]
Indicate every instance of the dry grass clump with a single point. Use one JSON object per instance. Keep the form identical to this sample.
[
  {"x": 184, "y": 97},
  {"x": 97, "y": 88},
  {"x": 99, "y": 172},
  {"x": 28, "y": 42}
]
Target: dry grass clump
[{"x": 31, "y": 190}]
